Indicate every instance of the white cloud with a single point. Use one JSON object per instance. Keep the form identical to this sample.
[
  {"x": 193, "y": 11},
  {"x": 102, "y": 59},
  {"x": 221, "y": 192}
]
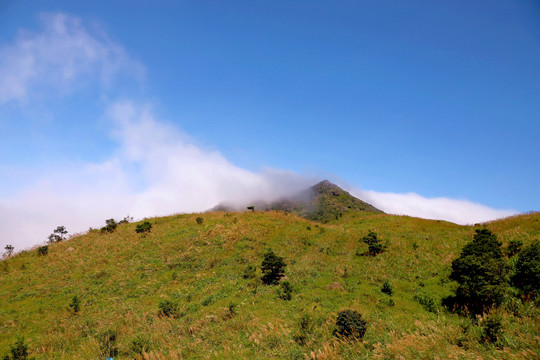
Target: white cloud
[
  {"x": 458, "y": 211},
  {"x": 63, "y": 56},
  {"x": 157, "y": 169}
]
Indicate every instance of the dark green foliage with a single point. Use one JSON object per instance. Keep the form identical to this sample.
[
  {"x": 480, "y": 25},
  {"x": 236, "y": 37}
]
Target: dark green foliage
[
  {"x": 273, "y": 268},
  {"x": 110, "y": 227},
  {"x": 232, "y": 309},
  {"x": 286, "y": 291},
  {"x": 107, "y": 343},
  {"x": 375, "y": 246},
  {"x": 18, "y": 351},
  {"x": 9, "y": 250},
  {"x": 249, "y": 272},
  {"x": 252, "y": 208},
  {"x": 168, "y": 308},
  {"x": 58, "y": 234},
  {"x": 43, "y": 250},
  {"x": 349, "y": 323},
  {"x": 426, "y": 301},
  {"x": 145, "y": 227},
  {"x": 482, "y": 274},
  {"x": 527, "y": 271},
  {"x": 493, "y": 329},
  {"x": 387, "y": 288},
  {"x": 75, "y": 304},
  {"x": 140, "y": 344},
  {"x": 199, "y": 220},
  {"x": 514, "y": 247}
]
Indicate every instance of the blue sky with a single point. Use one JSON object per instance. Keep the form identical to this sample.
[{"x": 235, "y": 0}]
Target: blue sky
[{"x": 424, "y": 108}]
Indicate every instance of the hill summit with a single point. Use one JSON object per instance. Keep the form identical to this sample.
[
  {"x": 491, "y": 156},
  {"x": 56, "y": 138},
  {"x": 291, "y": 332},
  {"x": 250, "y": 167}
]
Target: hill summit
[{"x": 322, "y": 202}]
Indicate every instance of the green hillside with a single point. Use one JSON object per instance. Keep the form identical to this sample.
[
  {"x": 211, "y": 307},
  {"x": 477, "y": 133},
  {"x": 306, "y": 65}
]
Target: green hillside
[{"x": 222, "y": 312}]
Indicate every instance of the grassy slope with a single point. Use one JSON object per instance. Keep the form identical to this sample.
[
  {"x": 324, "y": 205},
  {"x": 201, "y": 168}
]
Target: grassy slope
[{"x": 122, "y": 277}]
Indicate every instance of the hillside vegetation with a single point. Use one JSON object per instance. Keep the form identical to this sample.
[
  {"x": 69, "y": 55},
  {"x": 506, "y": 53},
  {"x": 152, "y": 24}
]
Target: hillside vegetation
[{"x": 190, "y": 288}]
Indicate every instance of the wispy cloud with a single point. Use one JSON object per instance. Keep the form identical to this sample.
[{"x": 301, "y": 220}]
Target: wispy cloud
[
  {"x": 61, "y": 57},
  {"x": 156, "y": 170}
]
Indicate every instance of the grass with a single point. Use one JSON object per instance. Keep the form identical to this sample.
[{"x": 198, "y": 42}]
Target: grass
[{"x": 122, "y": 277}]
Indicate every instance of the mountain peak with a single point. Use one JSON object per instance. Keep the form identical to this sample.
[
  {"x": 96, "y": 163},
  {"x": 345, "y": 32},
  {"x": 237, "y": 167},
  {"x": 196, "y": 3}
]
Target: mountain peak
[{"x": 323, "y": 202}]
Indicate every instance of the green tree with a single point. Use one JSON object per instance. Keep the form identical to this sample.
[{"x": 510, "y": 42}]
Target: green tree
[
  {"x": 527, "y": 272},
  {"x": 273, "y": 268},
  {"x": 58, "y": 234},
  {"x": 375, "y": 246},
  {"x": 481, "y": 272}
]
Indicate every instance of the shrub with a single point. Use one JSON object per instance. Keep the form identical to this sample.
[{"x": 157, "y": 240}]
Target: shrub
[
  {"x": 527, "y": 272},
  {"x": 375, "y": 246},
  {"x": 481, "y": 272},
  {"x": 58, "y": 234},
  {"x": 168, "y": 308},
  {"x": 75, "y": 304},
  {"x": 126, "y": 220},
  {"x": 273, "y": 268},
  {"x": 493, "y": 329},
  {"x": 9, "y": 250},
  {"x": 252, "y": 208},
  {"x": 349, "y": 323},
  {"x": 18, "y": 351},
  {"x": 199, "y": 220},
  {"x": 110, "y": 227},
  {"x": 145, "y": 227},
  {"x": 286, "y": 291},
  {"x": 387, "y": 288},
  {"x": 249, "y": 272},
  {"x": 43, "y": 250},
  {"x": 514, "y": 247}
]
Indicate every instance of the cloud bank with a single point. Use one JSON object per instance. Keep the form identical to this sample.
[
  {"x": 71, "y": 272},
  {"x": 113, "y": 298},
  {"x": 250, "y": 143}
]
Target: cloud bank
[
  {"x": 462, "y": 212},
  {"x": 156, "y": 169}
]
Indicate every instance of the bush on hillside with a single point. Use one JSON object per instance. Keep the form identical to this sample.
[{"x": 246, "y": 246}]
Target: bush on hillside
[
  {"x": 286, "y": 291},
  {"x": 527, "y": 271},
  {"x": 18, "y": 351},
  {"x": 43, "y": 250},
  {"x": 168, "y": 308},
  {"x": 273, "y": 268},
  {"x": 387, "y": 288},
  {"x": 492, "y": 329},
  {"x": 75, "y": 304},
  {"x": 482, "y": 275},
  {"x": 126, "y": 220},
  {"x": 145, "y": 227},
  {"x": 199, "y": 220},
  {"x": 110, "y": 226},
  {"x": 375, "y": 246},
  {"x": 349, "y": 323},
  {"x": 58, "y": 234},
  {"x": 9, "y": 250}
]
